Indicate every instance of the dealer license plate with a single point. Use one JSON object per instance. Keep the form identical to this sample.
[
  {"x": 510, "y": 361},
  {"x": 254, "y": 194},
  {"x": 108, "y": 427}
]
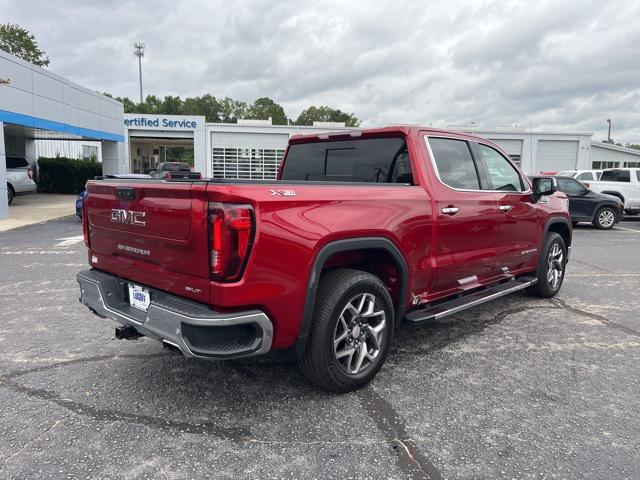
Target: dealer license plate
[{"x": 139, "y": 297}]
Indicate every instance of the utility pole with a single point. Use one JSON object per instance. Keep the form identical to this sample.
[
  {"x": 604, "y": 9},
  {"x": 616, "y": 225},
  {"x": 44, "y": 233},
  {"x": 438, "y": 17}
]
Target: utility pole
[
  {"x": 609, "y": 134},
  {"x": 138, "y": 51}
]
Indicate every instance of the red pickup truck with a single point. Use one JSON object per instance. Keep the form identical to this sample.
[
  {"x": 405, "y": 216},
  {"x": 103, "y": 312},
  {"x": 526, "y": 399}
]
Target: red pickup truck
[{"x": 362, "y": 231}]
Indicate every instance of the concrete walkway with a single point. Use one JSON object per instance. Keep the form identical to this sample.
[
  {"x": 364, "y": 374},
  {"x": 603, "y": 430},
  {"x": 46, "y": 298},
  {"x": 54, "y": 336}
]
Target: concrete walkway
[{"x": 40, "y": 207}]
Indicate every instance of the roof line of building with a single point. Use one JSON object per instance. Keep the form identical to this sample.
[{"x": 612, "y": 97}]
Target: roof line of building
[{"x": 616, "y": 148}]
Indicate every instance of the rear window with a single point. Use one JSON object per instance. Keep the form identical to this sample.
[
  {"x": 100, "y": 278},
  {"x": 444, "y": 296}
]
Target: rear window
[
  {"x": 616, "y": 176},
  {"x": 175, "y": 167},
  {"x": 16, "y": 162},
  {"x": 377, "y": 160}
]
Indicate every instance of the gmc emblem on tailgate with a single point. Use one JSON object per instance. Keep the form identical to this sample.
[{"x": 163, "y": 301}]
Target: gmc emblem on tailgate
[{"x": 128, "y": 217}]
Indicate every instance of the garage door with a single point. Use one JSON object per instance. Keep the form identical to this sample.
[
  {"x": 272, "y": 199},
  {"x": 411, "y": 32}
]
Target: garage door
[
  {"x": 556, "y": 155},
  {"x": 254, "y": 156},
  {"x": 512, "y": 147}
]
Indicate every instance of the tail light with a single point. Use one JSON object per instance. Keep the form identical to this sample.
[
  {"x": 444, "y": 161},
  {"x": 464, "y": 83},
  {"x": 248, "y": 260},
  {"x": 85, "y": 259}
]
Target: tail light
[
  {"x": 231, "y": 232},
  {"x": 30, "y": 173},
  {"x": 85, "y": 222}
]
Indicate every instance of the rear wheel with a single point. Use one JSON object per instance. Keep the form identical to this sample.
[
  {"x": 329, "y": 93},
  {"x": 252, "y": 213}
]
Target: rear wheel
[
  {"x": 551, "y": 267},
  {"x": 10, "y": 194},
  {"x": 605, "y": 218},
  {"x": 351, "y": 333}
]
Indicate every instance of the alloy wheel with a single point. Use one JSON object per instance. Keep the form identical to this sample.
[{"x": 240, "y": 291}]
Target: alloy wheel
[
  {"x": 606, "y": 218},
  {"x": 359, "y": 333},
  {"x": 555, "y": 266}
]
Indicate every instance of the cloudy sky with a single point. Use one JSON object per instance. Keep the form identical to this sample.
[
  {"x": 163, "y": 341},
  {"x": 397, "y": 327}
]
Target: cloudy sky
[{"x": 554, "y": 65}]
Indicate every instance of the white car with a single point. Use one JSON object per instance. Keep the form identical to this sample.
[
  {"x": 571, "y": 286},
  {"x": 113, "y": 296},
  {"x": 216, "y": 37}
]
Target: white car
[
  {"x": 623, "y": 183},
  {"x": 582, "y": 175},
  {"x": 19, "y": 178}
]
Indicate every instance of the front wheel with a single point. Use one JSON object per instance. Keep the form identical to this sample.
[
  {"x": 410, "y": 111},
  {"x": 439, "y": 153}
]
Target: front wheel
[
  {"x": 605, "y": 218},
  {"x": 351, "y": 333},
  {"x": 551, "y": 267},
  {"x": 10, "y": 195}
]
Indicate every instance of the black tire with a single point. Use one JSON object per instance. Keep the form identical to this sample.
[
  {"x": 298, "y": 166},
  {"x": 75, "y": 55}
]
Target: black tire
[
  {"x": 10, "y": 194},
  {"x": 605, "y": 218},
  {"x": 337, "y": 289},
  {"x": 545, "y": 287}
]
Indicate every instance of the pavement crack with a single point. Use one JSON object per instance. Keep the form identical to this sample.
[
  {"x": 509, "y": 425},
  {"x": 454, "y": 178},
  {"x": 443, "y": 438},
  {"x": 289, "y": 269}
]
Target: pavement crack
[
  {"x": 594, "y": 316},
  {"x": 108, "y": 415},
  {"x": 409, "y": 459}
]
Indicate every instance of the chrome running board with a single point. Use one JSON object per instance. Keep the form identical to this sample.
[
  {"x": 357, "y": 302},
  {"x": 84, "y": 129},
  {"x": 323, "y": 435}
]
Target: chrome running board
[{"x": 469, "y": 300}]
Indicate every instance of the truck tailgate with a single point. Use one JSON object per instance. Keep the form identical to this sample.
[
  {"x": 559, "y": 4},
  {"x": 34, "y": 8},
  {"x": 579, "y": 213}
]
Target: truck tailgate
[{"x": 151, "y": 232}]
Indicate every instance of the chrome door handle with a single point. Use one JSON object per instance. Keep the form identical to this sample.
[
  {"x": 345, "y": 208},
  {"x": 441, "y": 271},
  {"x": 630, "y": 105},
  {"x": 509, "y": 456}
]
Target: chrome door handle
[
  {"x": 450, "y": 210},
  {"x": 505, "y": 208}
]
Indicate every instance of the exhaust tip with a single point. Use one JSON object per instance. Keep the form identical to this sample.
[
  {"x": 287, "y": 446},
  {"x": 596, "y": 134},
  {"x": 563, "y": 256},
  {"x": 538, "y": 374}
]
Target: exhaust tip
[{"x": 172, "y": 347}]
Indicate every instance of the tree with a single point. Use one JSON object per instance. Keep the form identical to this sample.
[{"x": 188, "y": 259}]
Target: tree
[
  {"x": 19, "y": 42},
  {"x": 206, "y": 105},
  {"x": 232, "y": 110},
  {"x": 635, "y": 146},
  {"x": 263, "y": 108},
  {"x": 326, "y": 114}
]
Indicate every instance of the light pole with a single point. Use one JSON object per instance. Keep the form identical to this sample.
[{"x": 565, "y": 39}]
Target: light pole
[
  {"x": 138, "y": 51},
  {"x": 609, "y": 134}
]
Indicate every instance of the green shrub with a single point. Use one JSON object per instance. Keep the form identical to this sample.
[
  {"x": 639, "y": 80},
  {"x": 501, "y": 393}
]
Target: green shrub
[{"x": 65, "y": 175}]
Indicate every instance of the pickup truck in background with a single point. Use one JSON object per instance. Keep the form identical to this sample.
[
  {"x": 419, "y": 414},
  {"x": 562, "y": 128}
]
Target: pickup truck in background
[
  {"x": 362, "y": 231},
  {"x": 623, "y": 183},
  {"x": 169, "y": 170}
]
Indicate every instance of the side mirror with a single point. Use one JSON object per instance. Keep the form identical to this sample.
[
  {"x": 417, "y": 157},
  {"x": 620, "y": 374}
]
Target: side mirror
[{"x": 544, "y": 186}]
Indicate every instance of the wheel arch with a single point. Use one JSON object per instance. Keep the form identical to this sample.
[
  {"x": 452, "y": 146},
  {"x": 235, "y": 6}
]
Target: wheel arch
[
  {"x": 615, "y": 194},
  {"x": 344, "y": 246},
  {"x": 561, "y": 226}
]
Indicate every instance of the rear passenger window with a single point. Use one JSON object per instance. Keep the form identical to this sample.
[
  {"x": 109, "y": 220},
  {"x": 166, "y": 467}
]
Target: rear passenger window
[
  {"x": 569, "y": 186},
  {"x": 616, "y": 176},
  {"x": 454, "y": 163},
  {"x": 378, "y": 160},
  {"x": 584, "y": 176},
  {"x": 16, "y": 162},
  {"x": 502, "y": 175}
]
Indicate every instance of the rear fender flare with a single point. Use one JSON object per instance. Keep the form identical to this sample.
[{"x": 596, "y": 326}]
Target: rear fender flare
[{"x": 362, "y": 243}]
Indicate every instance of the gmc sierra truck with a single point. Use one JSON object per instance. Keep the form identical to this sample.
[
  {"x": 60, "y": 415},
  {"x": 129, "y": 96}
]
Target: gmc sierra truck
[{"x": 363, "y": 230}]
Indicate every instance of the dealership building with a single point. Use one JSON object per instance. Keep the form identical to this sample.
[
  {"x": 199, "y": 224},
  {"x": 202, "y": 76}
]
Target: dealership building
[
  {"x": 45, "y": 115},
  {"x": 37, "y": 105}
]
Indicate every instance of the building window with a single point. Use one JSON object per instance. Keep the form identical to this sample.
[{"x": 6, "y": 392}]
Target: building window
[
  {"x": 246, "y": 163},
  {"x": 632, "y": 164},
  {"x": 603, "y": 165},
  {"x": 89, "y": 152},
  {"x": 516, "y": 159}
]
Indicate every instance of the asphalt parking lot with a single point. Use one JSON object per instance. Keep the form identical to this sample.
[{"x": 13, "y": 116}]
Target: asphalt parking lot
[{"x": 517, "y": 388}]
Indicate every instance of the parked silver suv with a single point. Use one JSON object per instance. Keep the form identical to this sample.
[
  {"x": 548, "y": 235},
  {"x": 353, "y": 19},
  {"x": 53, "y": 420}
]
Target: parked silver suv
[{"x": 19, "y": 177}]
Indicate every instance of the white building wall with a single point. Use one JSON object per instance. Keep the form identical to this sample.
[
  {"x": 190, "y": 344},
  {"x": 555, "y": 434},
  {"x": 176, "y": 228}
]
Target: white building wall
[
  {"x": 36, "y": 97},
  {"x": 64, "y": 148},
  {"x": 531, "y": 143},
  {"x": 613, "y": 156},
  {"x": 4, "y": 207}
]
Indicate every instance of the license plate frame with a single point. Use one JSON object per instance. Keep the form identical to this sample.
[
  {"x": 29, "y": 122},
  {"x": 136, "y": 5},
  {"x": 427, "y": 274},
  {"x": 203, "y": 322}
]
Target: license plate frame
[{"x": 139, "y": 297}]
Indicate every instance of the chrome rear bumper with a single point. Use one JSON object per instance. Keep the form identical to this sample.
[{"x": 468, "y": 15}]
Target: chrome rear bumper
[{"x": 190, "y": 326}]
